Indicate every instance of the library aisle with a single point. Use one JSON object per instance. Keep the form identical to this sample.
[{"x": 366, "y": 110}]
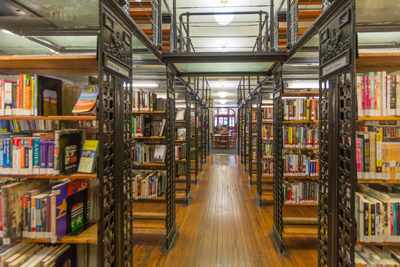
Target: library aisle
[{"x": 224, "y": 227}]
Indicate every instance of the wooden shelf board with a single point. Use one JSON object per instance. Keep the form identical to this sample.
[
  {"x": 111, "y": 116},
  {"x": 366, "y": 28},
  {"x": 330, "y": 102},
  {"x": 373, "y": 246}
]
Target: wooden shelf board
[
  {"x": 87, "y": 237},
  {"x": 180, "y": 141},
  {"x": 74, "y": 65},
  {"x": 365, "y": 181},
  {"x": 180, "y": 160},
  {"x": 180, "y": 121},
  {"x": 268, "y": 122},
  {"x": 301, "y": 229},
  {"x": 375, "y": 62},
  {"x": 148, "y": 137},
  {"x": 82, "y": 176},
  {"x": 300, "y": 121},
  {"x": 303, "y": 205},
  {"x": 378, "y": 244},
  {"x": 302, "y": 94},
  {"x": 265, "y": 139},
  {"x": 150, "y": 224},
  {"x": 148, "y": 112},
  {"x": 379, "y": 118},
  {"x": 151, "y": 164},
  {"x": 59, "y": 118},
  {"x": 304, "y": 149}
]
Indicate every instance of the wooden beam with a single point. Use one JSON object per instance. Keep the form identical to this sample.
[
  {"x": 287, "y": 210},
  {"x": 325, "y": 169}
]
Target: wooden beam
[{"x": 140, "y": 5}]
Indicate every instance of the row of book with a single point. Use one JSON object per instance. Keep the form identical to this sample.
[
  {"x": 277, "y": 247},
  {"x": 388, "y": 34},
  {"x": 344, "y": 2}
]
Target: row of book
[
  {"x": 34, "y": 95},
  {"x": 180, "y": 152},
  {"x": 300, "y": 165},
  {"x": 302, "y": 191},
  {"x": 36, "y": 208},
  {"x": 300, "y": 109},
  {"x": 143, "y": 100},
  {"x": 267, "y": 131},
  {"x": 368, "y": 256},
  {"x": 377, "y": 158},
  {"x": 54, "y": 153},
  {"x": 267, "y": 114},
  {"x": 149, "y": 184},
  {"x": 26, "y": 254},
  {"x": 144, "y": 153},
  {"x": 145, "y": 126},
  {"x": 378, "y": 213},
  {"x": 378, "y": 94},
  {"x": 300, "y": 137},
  {"x": 267, "y": 168},
  {"x": 17, "y": 126},
  {"x": 267, "y": 149}
]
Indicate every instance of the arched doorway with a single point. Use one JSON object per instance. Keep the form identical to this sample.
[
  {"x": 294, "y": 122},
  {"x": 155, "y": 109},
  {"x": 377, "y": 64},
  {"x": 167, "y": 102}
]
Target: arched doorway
[{"x": 223, "y": 117}]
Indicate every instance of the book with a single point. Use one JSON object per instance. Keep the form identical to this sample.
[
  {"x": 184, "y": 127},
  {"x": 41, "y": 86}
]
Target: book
[
  {"x": 88, "y": 158},
  {"x": 181, "y": 134},
  {"x": 159, "y": 153},
  {"x": 86, "y": 104},
  {"x": 69, "y": 202},
  {"x": 67, "y": 149},
  {"x": 180, "y": 115}
]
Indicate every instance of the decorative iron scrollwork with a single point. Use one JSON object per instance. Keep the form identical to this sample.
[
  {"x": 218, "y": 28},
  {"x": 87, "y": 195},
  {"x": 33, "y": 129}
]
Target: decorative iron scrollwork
[
  {"x": 334, "y": 46},
  {"x": 118, "y": 47}
]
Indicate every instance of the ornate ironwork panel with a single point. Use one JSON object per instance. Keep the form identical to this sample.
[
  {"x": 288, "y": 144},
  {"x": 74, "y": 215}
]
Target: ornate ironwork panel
[
  {"x": 188, "y": 144},
  {"x": 338, "y": 132},
  {"x": 259, "y": 148},
  {"x": 155, "y": 21},
  {"x": 278, "y": 162},
  {"x": 250, "y": 144},
  {"x": 293, "y": 24},
  {"x": 170, "y": 160},
  {"x": 276, "y": 33},
  {"x": 326, "y": 4},
  {"x": 115, "y": 231}
]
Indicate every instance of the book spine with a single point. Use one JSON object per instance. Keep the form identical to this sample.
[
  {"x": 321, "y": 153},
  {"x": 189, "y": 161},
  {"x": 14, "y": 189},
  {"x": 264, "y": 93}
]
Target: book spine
[
  {"x": 393, "y": 85},
  {"x": 379, "y": 155},
  {"x": 24, "y": 201},
  {"x": 36, "y": 156},
  {"x": 377, "y": 94},
  {"x": 28, "y": 95},
  {"x": 7, "y": 90},
  {"x": 57, "y": 163},
  {"x": 16, "y": 156},
  {"x": 48, "y": 216},
  {"x": 53, "y": 218},
  {"x": 38, "y": 218},
  {"x": 43, "y": 157},
  {"x": 50, "y": 158}
]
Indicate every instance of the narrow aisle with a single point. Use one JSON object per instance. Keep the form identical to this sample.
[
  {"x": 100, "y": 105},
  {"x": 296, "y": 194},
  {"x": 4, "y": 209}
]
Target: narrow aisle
[{"x": 223, "y": 226}]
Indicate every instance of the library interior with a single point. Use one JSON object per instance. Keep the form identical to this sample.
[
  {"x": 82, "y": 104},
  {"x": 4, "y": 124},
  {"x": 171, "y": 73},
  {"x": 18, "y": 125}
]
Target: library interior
[{"x": 199, "y": 133}]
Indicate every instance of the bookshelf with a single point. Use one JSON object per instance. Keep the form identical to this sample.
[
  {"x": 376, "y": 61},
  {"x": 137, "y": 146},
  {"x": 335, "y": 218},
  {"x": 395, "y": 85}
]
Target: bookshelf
[{"x": 51, "y": 118}]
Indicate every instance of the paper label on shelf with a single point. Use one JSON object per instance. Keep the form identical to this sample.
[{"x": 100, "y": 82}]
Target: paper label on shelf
[
  {"x": 335, "y": 65},
  {"x": 111, "y": 64}
]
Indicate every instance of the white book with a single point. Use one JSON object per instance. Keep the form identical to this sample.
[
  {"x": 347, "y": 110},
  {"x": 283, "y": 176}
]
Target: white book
[
  {"x": 26, "y": 256},
  {"x": 35, "y": 260},
  {"x": 54, "y": 252},
  {"x": 51, "y": 261},
  {"x": 383, "y": 93},
  {"x": 8, "y": 111},
  {"x": 18, "y": 254},
  {"x": 9, "y": 252},
  {"x": 378, "y": 219},
  {"x": 16, "y": 160}
]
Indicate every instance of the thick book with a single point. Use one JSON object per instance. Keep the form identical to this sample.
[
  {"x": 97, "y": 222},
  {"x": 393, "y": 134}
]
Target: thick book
[
  {"x": 67, "y": 149},
  {"x": 159, "y": 153},
  {"x": 68, "y": 206},
  {"x": 87, "y": 162},
  {"x": 180, "y": 115},
  {"x": 86, "y": 104}
]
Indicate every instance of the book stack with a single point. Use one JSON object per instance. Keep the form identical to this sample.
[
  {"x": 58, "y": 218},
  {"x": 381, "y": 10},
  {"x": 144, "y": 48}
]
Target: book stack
[
  {"x": 302, "y": 191},
  {"x": 143, "y": 100},
  {"x": 146, "y": 126},
  {"x": 267, "y": 114},
  {"x": 377, "y": 158},
  {"x": 36, "y": 207},
  {"x": 17, "y": 126},
  {"x": 147, "y": 185},
  {"x": 377, "y": 214},
  {"x": 40, "y": 153},
  {"x": 144, "y": 153},
  {"x": 267, "y": 149},
  {"x": 300, "y": 165},
  {"x": 300, "y": 109},
  {"x": 366, "y": 256},
  {"x": 267, "y": 131},
  {"x": 300, "y": 137},
  {"x": 30, "y": 255},
  {"x": 267, "y": 167},
  {"x": 378, "y": 94},
  {"x": 180, "y": 151}
]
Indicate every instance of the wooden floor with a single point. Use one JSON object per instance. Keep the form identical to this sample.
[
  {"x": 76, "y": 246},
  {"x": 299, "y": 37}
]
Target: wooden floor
[{"x": 223, "y": 226}]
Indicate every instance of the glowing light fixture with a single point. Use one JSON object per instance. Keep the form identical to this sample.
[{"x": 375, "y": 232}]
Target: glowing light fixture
[
  {"x": 302, "y": 84},
  {"x": 223, "y": 102},
  {"x": 222, "y": 93},
  {"x": 224, "y": 19}
]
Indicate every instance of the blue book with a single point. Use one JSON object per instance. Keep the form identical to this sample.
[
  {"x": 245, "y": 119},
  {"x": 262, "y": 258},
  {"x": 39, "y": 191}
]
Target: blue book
[
  {"x": 43, "y": 157},
  {"x": 36, "y": 155},
  {"x": 50, "y": 157},
  {"x": 394, "y": 219},
  {"x": 6, "y": 157}
]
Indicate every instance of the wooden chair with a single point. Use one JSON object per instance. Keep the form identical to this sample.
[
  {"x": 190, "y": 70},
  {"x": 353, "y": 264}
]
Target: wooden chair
[
  {"x": 224, "y": 141},
  {"x": 213, "y": 141},
  {"x": 233, "y": 140}
]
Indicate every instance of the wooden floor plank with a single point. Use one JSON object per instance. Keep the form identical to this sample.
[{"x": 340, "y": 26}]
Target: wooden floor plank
[{"x": 223, "y": 226}]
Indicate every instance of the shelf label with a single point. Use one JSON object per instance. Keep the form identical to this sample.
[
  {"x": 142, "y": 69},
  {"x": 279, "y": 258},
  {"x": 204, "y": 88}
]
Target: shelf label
[
  {"x": 113, "y": 65},
  {"x": 335, "y": 65}
]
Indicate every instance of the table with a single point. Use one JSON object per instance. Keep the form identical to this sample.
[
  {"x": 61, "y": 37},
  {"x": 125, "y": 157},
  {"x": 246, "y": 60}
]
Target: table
[{"x": 224, "y": 137}]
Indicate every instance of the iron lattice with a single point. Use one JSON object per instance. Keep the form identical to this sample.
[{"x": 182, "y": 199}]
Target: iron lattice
[{"x": 259, "y": 147}]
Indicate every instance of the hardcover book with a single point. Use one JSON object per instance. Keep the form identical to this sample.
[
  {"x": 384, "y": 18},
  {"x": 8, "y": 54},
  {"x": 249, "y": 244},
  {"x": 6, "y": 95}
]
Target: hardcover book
[
  {"x": 159, "y": 153},
  {"x": 67, "y": 149}
]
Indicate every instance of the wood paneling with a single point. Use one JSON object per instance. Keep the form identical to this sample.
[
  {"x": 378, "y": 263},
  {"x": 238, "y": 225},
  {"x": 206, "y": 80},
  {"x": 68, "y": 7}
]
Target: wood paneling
[{"x": 223, "y": 226}]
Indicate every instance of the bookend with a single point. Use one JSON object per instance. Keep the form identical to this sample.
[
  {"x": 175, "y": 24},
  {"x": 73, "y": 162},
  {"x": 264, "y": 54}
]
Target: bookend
[{"x": 75, "y": 199}]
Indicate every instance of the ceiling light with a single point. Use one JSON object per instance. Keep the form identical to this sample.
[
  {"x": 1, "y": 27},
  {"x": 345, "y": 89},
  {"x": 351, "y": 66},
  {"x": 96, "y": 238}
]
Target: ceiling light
[
  {"x": 222, "y": 93},
  {"x": 223, "y": 102},
  {"x": 302, "y": 84},
  {"x": 6, "y": 31},
  {"x": 145, "y": 85},
  {"x": 224, "y": 2},
  {"x": 138, "y": 0},
  {"x": 224, "y": 19}
]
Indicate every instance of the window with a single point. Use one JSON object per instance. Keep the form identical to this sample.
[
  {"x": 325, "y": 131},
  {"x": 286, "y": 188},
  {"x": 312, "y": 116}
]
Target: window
[{"x": 225, "y": 117}]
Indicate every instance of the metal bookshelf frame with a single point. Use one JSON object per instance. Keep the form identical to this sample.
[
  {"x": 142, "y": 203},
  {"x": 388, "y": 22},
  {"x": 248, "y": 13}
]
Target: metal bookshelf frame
[
  {"x": 188, "y": 148},
  {"x": 258, "y": 95}
]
